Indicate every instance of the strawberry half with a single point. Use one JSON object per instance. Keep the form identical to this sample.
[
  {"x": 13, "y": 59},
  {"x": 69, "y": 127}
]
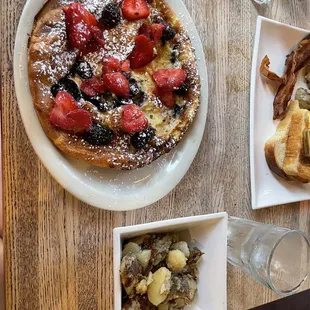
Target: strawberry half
[
  {"x": 143, "y": 52},
  {"x": 167, "y": 97},
  {"x": 117, "y": 84},
  {"x": 153, "y": 31},
  {"x": 67, "y": 115},
  {"x": 133, "y": 119},
  {"x": 110, "y": 64},
  {"x": 79, "y": 23},
  {"x": 169, "y": 79},
  {"x": 93, "y": 86},
  {"x": 135, "y": 9},
  {"x": 125, "y": 65}
]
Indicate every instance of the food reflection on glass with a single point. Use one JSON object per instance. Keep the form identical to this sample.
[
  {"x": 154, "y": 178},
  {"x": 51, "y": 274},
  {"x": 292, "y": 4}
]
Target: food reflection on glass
[
  {"x": 287, "y": 151},
  {"x": 158, "y": 271}
]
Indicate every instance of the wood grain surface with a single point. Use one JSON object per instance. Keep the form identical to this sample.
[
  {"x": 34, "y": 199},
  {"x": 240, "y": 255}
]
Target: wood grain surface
[{"x": 58, "y": 251}]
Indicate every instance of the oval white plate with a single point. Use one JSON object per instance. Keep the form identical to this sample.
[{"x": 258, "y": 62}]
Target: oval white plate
[{"x": 104, "y": 188}]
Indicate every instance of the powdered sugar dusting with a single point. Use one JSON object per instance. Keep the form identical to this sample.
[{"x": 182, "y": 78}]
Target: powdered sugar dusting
[{"x": 53, "y": 59}]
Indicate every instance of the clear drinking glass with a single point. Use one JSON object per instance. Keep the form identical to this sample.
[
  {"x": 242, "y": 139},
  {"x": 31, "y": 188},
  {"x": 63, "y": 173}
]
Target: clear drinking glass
[{"x": 276, "y": 257}]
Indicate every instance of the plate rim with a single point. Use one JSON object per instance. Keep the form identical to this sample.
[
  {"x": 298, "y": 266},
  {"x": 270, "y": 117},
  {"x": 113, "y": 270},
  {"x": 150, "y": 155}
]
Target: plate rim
[{"x": 64, "y": 176}]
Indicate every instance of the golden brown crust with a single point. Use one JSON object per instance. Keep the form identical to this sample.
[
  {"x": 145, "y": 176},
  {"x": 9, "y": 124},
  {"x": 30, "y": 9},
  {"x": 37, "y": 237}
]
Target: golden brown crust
[{"x": 49, "y": 30}]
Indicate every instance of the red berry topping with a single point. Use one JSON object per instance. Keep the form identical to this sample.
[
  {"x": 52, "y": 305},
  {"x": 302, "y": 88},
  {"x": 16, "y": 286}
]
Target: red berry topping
[
  {"x": 133, "y": 119},
  {"x": 143, "y": 52},
  {"x": 93, "y": 86},
  {"x": 117, "y": 84},
  {"x": 79, "y": 23},
  {"x": 110, "y": 64},
  {"x": 135, "y": 9},
  {"x": 154, "y": 31},
  {"x": 169, "y": 79},
  {"x": 67, "y": 115},
  {"x": 97, "y": 35},
  {"x": 125, "y": 65},
  {"x": 167, "y": 97}
]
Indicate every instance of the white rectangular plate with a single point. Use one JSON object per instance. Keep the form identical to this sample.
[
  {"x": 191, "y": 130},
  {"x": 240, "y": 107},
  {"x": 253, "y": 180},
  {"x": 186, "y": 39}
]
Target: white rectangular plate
[
  {"x": 275, "y": 40},
  {"x": 209, "y": 234}
]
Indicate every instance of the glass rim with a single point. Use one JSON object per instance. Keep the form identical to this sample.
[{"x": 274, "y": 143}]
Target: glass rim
[{"x": 270, "y": 282}]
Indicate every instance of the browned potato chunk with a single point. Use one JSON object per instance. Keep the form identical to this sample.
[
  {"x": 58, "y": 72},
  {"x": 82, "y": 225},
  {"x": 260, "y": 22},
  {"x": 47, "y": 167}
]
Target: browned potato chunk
[
  {"x": 130, "y": 271},
  {"x": 176, "y": 260},
  {"x": 182, "y": 246},
  {"x": 131, "y": 247},
  {"x": 159, "y": 289},
  {"x": 144, "y": 258}
]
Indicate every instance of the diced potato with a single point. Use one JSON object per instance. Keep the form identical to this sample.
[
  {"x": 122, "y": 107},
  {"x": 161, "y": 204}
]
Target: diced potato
[
  {"x": 182, "y": 246},
  {"x": 176, "y": 260},
  {"x": 159, "y": 289},
  {"x": 144, "y": 258},
  {"x": 141, "y": 287},
  {"x": 131, "y": 247}
]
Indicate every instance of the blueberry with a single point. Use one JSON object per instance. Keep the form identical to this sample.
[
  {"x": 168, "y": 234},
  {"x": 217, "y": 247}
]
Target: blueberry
[
  {"x": 168, "y": 33},
  {"x": 140, "y": 139},
  {"x": 177, "y": 110},
  {"x": 83, "y": 69},
  {"x": 99, "y": 135},
  {"x": 136, "y": 93},
  {"x": 111, "y": 15},
  {"x": 55, "y": 89},
  {"x": 182, "y": 90},
  {"x": 71, "y": 87}
]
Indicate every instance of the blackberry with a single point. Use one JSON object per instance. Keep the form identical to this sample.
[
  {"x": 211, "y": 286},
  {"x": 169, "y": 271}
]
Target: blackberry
[
  {"x": 98, "y": 135},
  {"x": 55, "y": 89},
  {"x": 103, "y": 103},
  {"x": 71, "y": 87},
  {"x": 177, "y": 110},
  {"x": 140, "y": 139},
  {"x": 119, "y": 101},
  {"x": 111, "y": 15},
  {"x": 168, "y": 33},
  {"x": 136, "y": 93},
  {"x": 182, "y": 90},
  {"x": 83, "y": 69}
]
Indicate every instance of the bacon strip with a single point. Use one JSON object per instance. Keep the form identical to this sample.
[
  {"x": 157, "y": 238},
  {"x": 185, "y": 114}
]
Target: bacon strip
[
  {"x": 265, "y": 71},
  {"x": 295, "y": 61}
]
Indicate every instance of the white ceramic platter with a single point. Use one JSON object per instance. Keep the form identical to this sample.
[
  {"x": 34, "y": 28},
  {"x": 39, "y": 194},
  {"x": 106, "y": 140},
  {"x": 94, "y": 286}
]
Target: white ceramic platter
[
  {"x": 104, "y": 188},
  {"x": 275, "y": 40},
  {"x": 209, "y": 234}
]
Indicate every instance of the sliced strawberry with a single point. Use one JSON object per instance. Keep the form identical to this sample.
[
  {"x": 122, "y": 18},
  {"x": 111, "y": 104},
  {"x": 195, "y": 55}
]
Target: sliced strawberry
[
  {"x": 93, "y": 86},
  {"x": 153, "y": 31},
  {"x": 133, "y": 119},
  {"x": 143, "y": 52},
  {"x": 125, "y": 65},
  {"x": 117, "y": 84},
  {"x": 79, "y": 22},
  {"x": 169, "y": 79},
  {"x": 167, "y": 97},
  {"x": 65, "y": 102},
  {"x": 110, "y": 64},
  {"x": 76, "y": 121},
  {"x": 67, "y": 115},
  {"x": 135, "y": 9},
  {"x": 97, "y": 35}
]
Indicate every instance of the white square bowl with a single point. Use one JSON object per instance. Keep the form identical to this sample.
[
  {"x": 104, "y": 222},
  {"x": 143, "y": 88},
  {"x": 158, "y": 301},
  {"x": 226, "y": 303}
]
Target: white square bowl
[
  {"x": 275, "y": 40},
  {"x": 209, "y": 234}
]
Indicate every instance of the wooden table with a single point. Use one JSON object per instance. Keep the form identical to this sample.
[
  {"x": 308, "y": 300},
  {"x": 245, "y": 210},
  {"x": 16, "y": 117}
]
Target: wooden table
[{"x": 59, "y": 250}]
